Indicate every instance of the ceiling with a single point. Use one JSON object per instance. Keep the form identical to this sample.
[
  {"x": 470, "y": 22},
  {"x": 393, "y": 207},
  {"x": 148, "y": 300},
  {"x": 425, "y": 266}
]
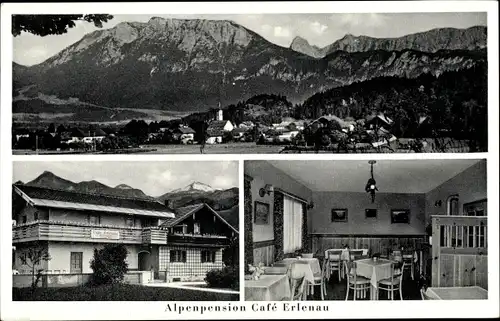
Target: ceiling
[{"x": 392, "y": 176}]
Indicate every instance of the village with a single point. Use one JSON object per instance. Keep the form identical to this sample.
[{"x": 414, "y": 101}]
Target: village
[{"x": 327, "y": 133}]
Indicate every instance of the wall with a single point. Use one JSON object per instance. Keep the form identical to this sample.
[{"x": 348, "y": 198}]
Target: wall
[
  {"x": 357, "y": 224},
  {"x": 20, "y": 267},
  {"x": 470, "y": 185},
  {"x": 60, "y": 254},
  {"x": 263, "y": 173},
  {"x": 192, "y": 269},
  {"x": 29, "y": 212},
  {"x": 82, "y": 217},
  {"x": 70, "y": 280}
]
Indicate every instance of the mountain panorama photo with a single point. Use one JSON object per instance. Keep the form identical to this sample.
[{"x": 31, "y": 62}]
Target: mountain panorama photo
[{"x": 280, "y": 83}]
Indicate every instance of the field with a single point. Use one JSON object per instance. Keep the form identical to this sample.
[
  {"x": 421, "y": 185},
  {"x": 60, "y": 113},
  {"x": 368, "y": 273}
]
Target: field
[
  {"x": 119, "y": 292},
  {"x": 230, "y": 148},
  {"x": 452, "y": 146}
]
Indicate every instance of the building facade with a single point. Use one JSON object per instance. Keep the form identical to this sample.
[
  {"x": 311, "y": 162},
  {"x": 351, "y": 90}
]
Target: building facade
[{"x": 173, "y": 244}]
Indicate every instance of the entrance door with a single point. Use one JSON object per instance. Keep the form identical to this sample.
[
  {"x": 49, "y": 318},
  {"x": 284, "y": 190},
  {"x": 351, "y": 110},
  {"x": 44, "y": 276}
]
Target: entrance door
[
  {"x": 76, "y": 259},
  {"x": 143, "y": 258}
]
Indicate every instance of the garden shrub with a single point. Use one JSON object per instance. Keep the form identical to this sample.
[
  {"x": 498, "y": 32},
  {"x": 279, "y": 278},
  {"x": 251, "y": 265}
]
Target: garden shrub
[
  {"x": 108, "y": 264},
  {"x": 227, "y": 277}
]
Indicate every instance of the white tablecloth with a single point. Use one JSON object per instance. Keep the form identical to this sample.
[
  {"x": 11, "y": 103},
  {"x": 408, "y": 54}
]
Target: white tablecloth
[
  {"x": 268, "y": 288},
  {"x": 374, "y": 270}
]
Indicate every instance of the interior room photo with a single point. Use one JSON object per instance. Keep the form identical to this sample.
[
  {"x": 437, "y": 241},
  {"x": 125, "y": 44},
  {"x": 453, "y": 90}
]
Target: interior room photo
[{"x": 365, "y": 229}]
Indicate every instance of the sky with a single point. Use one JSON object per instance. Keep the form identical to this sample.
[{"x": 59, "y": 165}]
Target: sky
[
  {"x": 318, "y": 29},
  {"x": 153, "y": 178}
]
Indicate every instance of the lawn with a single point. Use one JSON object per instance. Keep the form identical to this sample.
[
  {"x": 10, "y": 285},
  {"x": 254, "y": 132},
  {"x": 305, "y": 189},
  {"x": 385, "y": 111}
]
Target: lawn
[{"x": 119, "y": 292}]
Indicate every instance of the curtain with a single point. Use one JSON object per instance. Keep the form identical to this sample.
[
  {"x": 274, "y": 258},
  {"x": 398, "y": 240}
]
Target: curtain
[{"x": 292, "y": 225}]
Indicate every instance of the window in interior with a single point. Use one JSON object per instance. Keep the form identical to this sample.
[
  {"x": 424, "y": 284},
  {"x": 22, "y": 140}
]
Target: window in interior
[
  {"x": 207, "y": 256},
  {"x": 24, "y": 218},
  {"x": 292, "y": 225},
  {"x": 196, "y": 228},
  {"x": 35, "y": 216},
  {"x": 177, "y": 256}
]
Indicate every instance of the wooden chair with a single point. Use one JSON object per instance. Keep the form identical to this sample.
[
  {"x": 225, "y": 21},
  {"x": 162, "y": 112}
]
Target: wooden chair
[
  {"x": 395, "y": 282},
  {"x": 297, "y": 284},
  {"x": 319, "y": 279},
  {"x": 409, "y": 261},
  {"x": 423, "y": 294},
  {"x": 333, "y": 263},
  {"x": 355, "y": 282}
]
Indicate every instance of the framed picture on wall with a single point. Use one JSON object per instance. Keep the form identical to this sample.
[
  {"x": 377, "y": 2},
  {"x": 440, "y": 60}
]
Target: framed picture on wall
[
  {"x": 400, "y": 216},
  {"x": 261, "y": 213},
  {"x": 371, "y": 213},
  {"x": 339, "y": 214}
]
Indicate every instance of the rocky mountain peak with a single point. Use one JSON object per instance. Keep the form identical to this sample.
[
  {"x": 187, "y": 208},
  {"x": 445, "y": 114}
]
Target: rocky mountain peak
[{"x": 301, "y": 45}]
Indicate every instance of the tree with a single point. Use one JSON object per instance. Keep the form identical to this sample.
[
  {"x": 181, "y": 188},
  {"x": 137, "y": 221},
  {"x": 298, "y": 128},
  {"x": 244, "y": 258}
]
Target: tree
[
  {"x": 44, "y": 25},
  {"x": 109, "y": 264},
  {"x": 33, "y": 256}
]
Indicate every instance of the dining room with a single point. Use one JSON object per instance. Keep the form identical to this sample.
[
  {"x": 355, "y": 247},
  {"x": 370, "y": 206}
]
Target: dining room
[{"x": 365, "y": 229}]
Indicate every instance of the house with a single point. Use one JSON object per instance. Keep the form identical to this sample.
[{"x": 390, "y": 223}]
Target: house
[
  {"x": 184, "y": 134},
  {"x": 87, "y": 136},
  {"x": 175, "y": 244},
  {"x": 196, "y": 238},
  {"x": 378, "y": 121},
  {"x": 246, "y": 124},
  {"x": 304, "y": 206},
  {"x": 216, "y": 130},
  {"x": 239, "y": 132}
]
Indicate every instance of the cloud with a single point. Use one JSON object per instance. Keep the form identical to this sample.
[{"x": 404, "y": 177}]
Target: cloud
[
  {"x": 317, "y": 27},
  {"x": 361, "y": 19},
  {"x": 282, "y": 32}
]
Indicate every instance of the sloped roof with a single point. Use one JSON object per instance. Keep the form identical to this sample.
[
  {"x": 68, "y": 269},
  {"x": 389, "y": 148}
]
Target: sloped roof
[
  {"x": 216, "y": 128},
  {"x": 88, "y": 133},
  {"x": 382, "y": 117},
  {"x": 184, "y": 212},
  {"x": 185, "y": 130},
  {"x": 240, "y": 130},
  {"x": 48, "y": 197}
]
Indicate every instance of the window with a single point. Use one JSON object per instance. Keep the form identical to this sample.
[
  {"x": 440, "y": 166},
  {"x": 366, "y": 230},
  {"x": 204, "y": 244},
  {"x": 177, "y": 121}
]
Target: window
[
  {"x": 196, "y": 228},
  {"x": 76, "y": 262},
  {"x": 177, "y": 256},
  {"x": 129, "y": 221},
  {"x": 24, "y": 218},
  {"x": 207, "y": 256},
  {"x": 452, "y": 205},
  {"x": 94, "y": 219},
  {"x": 35, "y": 216},
  {"x": 180, "y": 229},
  {"x": 292, "y": 225}
]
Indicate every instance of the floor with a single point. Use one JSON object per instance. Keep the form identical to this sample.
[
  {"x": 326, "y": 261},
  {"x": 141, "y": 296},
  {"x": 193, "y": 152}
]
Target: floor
[{"x": 337, "y": 291}]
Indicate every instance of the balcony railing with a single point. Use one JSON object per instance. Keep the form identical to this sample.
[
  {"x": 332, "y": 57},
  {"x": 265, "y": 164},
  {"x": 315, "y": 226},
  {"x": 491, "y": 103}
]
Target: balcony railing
[
  {"x": 78, "y": 232},
  {"x": 198, "y": 239}
]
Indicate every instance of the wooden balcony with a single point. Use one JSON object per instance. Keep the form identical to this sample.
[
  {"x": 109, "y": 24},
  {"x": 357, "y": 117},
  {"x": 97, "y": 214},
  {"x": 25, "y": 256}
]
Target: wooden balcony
[
  {"x": 198, "y": 239},
  {"x": 74, "y": 232}
]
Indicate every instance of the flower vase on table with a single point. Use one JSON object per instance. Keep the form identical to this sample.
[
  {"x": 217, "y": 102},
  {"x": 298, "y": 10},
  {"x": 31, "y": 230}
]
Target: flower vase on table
[{"x": 257, "y": 271}]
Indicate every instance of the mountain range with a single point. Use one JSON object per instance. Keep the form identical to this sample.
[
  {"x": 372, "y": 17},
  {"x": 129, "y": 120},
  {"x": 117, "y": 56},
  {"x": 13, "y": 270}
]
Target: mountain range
[
  {"x": 472, "y": 38},
  {"x": 192, "y": 65},
  {"x": 223, "y": 201}
]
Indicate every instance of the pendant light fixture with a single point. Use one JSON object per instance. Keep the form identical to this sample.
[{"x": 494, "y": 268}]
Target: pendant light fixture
[{"x": 371, "y": 185}]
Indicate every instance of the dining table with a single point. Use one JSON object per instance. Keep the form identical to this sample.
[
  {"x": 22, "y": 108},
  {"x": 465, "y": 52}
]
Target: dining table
[
  {"x": 457, "y": 293},
  {"x": 309, "y": 267},
  {"x": 274, "y": 287},
  {"x": 375, "y": 271}
]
